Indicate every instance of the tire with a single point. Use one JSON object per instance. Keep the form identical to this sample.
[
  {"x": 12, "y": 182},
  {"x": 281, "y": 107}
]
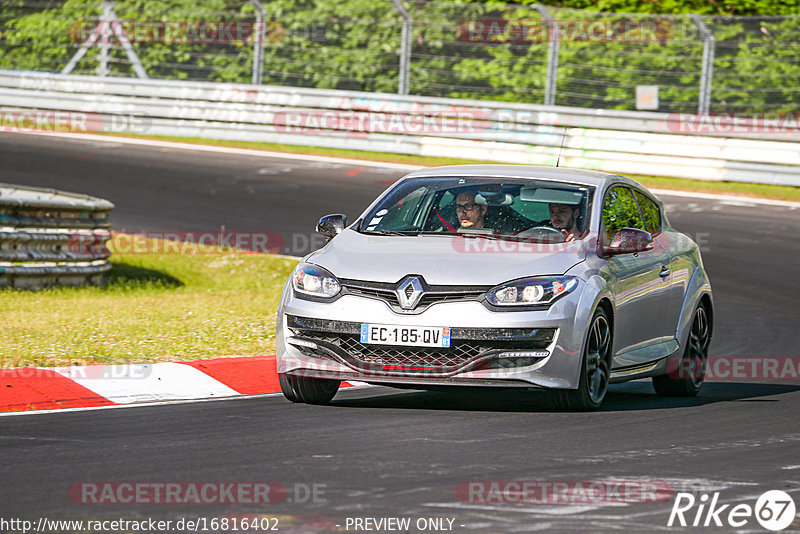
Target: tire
[
  {"x": 595, "y": 365},
  {"x": 687, "y": 379},
  {"x": 308, "y": 390}
]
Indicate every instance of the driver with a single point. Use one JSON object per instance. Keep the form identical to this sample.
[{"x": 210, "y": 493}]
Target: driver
[
  {"x": 470, "y": 214},
  {"x": 564, "y": 217}
]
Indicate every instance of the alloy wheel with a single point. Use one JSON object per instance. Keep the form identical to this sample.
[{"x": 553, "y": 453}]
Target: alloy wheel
[
  {"x": 697, "y": 354},
  {"x": 597, "y": 359}
]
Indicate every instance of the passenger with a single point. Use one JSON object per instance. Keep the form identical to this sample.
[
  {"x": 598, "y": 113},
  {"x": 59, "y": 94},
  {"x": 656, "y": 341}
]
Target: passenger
[{"x": 564, "y": 217}]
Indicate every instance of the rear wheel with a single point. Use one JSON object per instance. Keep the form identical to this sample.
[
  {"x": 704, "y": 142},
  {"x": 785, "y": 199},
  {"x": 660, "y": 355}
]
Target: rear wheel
[
  {"x": 686, "y": 380},
  {"x": 593, "y": 383},
  {"x": 308, "y": 390}
]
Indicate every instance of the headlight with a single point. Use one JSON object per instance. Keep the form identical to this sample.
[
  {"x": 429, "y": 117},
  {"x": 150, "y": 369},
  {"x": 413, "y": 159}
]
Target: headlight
[
  {"x": 534, "y": 291},
  {"x": 312, "y": 280}
]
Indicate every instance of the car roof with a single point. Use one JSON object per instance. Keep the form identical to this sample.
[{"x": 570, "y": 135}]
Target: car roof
[{"x": 566, "y": 174}]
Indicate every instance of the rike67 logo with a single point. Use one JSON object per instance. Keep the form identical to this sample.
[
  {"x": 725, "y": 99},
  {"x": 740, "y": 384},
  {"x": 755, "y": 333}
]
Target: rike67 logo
[{"x": 774, "y": 510}]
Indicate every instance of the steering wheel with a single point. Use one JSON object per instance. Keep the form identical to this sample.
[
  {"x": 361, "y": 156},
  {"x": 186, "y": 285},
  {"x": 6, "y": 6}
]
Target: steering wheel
[{"x": 542, "y": 230}]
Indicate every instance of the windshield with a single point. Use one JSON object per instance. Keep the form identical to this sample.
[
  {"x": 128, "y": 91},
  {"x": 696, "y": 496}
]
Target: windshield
[{"x": 507, "y": 208}]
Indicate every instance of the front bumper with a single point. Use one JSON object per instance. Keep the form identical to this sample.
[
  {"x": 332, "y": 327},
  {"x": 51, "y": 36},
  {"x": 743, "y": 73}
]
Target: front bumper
[{"x": 533, "y": 348}]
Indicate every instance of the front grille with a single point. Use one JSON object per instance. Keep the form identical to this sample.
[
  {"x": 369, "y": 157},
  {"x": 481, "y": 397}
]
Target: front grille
[
  {"x": 431, "y": 294},
  {"x": 377, "y": 356},
  {"x": 468, "y": 346}
]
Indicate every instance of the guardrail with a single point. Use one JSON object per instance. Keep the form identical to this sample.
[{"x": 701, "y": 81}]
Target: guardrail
[
  {"x": 731, "y": 148},
  {"x": 50, "y": 237}
]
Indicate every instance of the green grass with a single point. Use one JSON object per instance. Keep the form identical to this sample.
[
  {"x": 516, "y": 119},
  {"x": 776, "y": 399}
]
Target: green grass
[
  {"x": 776, "y": 192},
  {"x": 154, "y": 307}
]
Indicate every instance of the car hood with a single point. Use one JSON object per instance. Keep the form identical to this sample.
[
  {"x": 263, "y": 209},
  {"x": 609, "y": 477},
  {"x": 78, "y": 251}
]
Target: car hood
[{"x": 443, "y": 259}]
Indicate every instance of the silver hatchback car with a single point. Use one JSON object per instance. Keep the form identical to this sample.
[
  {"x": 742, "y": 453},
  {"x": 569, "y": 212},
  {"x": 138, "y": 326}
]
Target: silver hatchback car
[{"x": 499, "y": 275}]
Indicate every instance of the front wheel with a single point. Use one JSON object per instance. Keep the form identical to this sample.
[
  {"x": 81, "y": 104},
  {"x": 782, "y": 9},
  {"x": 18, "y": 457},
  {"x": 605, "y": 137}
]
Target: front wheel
[
  {"x": 593, "y": 384},
  {"x": 308, "y": 390},
  {"x": 686, "y": 380}
]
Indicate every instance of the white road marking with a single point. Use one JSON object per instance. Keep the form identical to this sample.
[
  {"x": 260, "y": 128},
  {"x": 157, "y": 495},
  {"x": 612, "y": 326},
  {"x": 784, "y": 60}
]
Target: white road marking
[
  {"x": 134, "y": 405},
  {"x": 150, "y": 382},
  {"x": 737, "y": 203},
  {"x": 729, "y": 198},
  {"x": 224, "y": 150},
  {"x": 629, "y": 455},
  {"x": 692, "y": 484},
  {"x": 237, "y": 396}
]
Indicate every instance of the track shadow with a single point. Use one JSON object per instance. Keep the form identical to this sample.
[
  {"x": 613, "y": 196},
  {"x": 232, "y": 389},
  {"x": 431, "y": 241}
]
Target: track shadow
[
  {"x": 639, "y": 395},
  {"x": 126, "y": 275},
  {"x": 455, "y": 399},
  {"x": 631, "y": 396}
]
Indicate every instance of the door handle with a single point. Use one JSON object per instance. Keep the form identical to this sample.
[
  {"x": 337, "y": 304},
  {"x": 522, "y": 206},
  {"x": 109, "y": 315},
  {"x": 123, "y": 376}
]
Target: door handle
[{"x": 664, "y": 271}]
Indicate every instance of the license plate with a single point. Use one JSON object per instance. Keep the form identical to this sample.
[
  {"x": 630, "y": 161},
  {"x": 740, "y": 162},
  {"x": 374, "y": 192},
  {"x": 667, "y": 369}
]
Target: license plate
[{"x": 411, "y": 336}]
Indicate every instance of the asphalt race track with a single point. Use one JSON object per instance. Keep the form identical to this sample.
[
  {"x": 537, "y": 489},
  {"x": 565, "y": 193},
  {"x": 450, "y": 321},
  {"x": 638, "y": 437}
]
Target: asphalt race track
[{"x": 377, "y": 452}]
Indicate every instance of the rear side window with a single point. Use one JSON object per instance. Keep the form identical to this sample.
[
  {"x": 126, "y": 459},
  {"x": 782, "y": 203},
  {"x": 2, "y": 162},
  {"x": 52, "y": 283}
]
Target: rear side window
[
  {"x": 620, "y": 211},
  {"x": 650, "y": 212}
]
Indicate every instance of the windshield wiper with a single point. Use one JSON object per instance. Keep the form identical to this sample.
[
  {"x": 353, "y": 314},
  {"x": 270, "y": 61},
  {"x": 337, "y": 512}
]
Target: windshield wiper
[
  {"x": 410, "y": 233},
  {"x": 386, "y": 232},
  {"x": 464, "y": 234}
]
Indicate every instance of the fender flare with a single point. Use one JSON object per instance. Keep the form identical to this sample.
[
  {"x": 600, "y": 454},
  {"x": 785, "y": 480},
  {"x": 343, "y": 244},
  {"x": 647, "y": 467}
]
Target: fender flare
[{"x": 697, "y": 288}]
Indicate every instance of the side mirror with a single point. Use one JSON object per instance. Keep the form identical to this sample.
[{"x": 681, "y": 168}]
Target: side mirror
[
  {"x": 331, "y": 225},
  {"x": 630, "y": 240}
]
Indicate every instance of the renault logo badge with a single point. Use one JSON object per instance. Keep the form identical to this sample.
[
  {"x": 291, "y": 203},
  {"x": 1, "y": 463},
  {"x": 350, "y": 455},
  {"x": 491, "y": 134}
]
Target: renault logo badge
[{"x": 408, "y": 292}]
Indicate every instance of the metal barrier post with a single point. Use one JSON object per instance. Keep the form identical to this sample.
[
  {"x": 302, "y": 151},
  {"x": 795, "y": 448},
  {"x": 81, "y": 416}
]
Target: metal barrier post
[
  {"x": 138, "y": 68},
  {"x": 258, "y": 46},
  {"x": 87, "y": 44},
  {"x": 707, "y": 70},
  {"x": 405, "y": 48},
  {"x": 105, "y": 40},
  {"x": 109, "y": 26},
  {"x": 553, "y": 43}
]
